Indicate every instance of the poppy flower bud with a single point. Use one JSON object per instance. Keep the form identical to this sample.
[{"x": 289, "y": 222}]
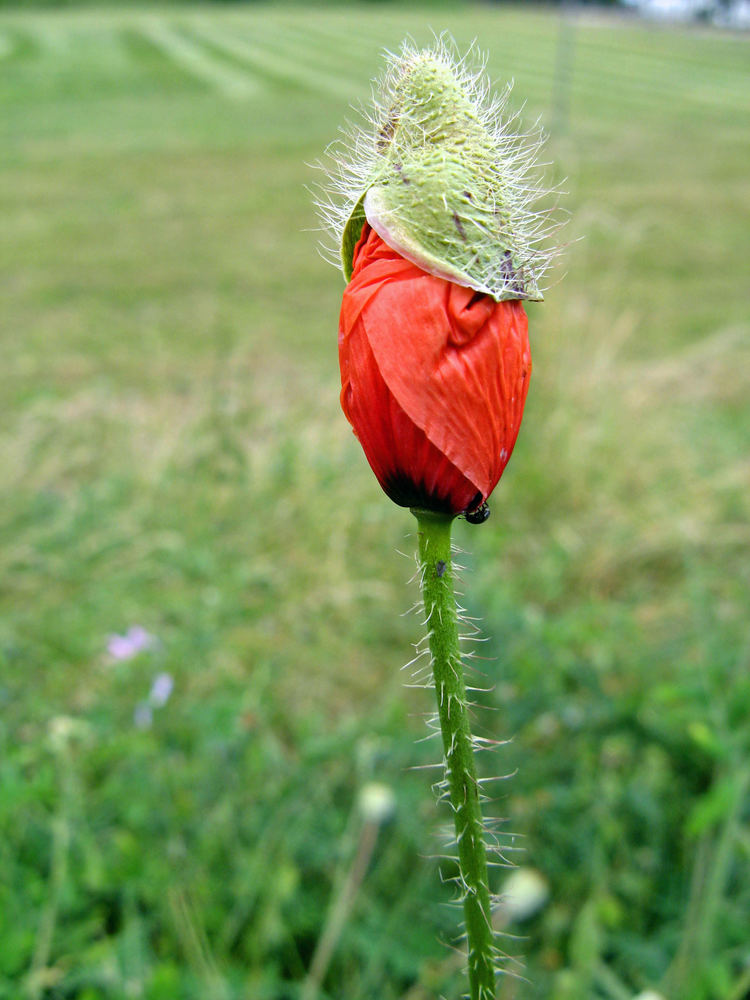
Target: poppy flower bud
[
  {"x": 434, "y": 379},
  {"x": 438, "y": 234}
]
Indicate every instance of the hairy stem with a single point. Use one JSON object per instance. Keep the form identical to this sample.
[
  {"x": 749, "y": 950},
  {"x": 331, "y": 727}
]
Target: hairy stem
[{"x": 442, "y": 620}]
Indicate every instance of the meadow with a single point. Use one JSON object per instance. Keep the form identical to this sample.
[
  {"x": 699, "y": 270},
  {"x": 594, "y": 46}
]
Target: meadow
[{"x": 185, "y": 808}]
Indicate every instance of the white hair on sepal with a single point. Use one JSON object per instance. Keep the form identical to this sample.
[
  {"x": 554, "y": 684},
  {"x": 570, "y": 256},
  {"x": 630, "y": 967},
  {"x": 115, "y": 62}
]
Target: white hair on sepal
[{"x": 442, "y": 170}]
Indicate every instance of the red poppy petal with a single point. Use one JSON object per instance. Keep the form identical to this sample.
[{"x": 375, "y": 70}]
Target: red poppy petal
[
  {"x": 456, "y": 363},
  {"x": 411, "y": 470}
]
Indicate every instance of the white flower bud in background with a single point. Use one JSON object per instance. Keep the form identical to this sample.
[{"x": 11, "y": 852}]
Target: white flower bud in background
[
  {"x": 377, "y": 802},
  {"x": 63, "y": 729},
  {"x": 524, "y": 893}
]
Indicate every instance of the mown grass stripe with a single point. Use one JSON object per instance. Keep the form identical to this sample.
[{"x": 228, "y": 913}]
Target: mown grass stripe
[
  {"x": 103, "y": 49},
  {"x": 337, "y": 51},
  {"x": 322, "y": 65},
  {"x": 49, "y": 37},
  {"x": 151, "y": 68},
  {"x": 335, "y": 42},
  {"x": 653, "y": 94},
  {"x": 280, "y": 67},
  {"x": 267, "y": 48},
  {"x": 233, "y": 83},
  {"x": 682, "y": 52},
  {"x": 654, "y": 75},
  {"x": 6, "y": 46}
]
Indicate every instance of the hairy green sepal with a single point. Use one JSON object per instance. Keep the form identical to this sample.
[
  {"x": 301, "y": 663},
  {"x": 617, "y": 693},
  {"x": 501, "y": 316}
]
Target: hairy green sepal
[
  {"x": 442, "y": 190},
  {"x": 442, "y": 622},
  {"x": 352, "y": 233}
]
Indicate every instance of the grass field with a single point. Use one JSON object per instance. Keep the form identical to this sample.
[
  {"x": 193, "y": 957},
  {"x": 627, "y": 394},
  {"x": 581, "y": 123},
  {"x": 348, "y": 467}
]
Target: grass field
[{"x": 173, "y": 458}]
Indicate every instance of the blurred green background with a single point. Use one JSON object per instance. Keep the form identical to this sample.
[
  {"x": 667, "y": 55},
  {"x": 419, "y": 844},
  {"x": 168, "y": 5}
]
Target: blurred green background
[{"x": 203, "y": 589}]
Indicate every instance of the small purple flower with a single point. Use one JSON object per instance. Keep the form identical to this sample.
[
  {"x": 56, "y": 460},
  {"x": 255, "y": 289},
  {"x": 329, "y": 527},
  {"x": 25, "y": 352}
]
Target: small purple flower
[
  {"x": 161, "y": 689},
  {"x": 125, "y": 647}
]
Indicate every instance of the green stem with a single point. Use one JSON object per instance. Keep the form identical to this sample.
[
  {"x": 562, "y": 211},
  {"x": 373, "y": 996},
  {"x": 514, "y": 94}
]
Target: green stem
[{"x": 442, "y": 619}]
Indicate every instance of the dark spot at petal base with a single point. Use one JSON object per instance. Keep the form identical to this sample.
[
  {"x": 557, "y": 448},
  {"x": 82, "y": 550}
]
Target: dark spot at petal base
[{"x": 406, "y": 493}]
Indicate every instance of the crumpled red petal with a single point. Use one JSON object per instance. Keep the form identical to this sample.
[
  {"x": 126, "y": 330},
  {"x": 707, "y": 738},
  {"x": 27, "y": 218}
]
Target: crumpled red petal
[{"x": 434, "y": 376}]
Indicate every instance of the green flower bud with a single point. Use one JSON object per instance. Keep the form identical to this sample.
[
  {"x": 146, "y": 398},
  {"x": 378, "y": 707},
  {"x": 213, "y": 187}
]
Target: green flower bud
[{"x": 443, "y": 179}]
